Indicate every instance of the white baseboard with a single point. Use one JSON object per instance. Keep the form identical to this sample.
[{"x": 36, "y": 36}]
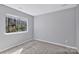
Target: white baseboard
[
  {"x": 58, "y": 44},
  {"x": 15, "y": 45},
  {"x": 42, "y": 41}
]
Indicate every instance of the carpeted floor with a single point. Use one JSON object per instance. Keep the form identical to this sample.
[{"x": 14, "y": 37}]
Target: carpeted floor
[{"x": 39, "y": 47}]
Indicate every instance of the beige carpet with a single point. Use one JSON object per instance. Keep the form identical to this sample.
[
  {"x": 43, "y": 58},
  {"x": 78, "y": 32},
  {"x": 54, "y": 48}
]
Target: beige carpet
[{"x": 39, "y": 47}]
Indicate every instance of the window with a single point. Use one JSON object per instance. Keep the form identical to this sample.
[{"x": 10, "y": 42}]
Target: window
[{"x": 15, "y": 24}]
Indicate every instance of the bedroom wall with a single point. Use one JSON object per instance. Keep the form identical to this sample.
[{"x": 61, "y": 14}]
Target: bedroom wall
[
  {"x": 77, "y": 25},
  {"x": 57, "y": 27},
  {"x": 8, "y": 41}
]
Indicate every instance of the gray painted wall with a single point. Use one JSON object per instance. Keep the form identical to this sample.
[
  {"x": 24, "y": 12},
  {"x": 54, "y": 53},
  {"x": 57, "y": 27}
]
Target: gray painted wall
[
  {"x": 58, "y": 27},
  {"x": 77, "y": 25},
  {"x": 7, "y": 41}
]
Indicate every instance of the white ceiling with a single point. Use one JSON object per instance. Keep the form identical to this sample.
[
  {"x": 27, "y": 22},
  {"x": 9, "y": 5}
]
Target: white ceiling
[{"x": 38, "y": 9}]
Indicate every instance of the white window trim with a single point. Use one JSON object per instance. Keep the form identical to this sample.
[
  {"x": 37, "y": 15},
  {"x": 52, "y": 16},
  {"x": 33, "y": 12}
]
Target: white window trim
[{"x": 26, "y": 19}]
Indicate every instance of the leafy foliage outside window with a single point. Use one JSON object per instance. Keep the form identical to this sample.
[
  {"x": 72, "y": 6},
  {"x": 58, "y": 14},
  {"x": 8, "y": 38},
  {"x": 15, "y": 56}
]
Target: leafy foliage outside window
[{"x": 15, "y": 25}]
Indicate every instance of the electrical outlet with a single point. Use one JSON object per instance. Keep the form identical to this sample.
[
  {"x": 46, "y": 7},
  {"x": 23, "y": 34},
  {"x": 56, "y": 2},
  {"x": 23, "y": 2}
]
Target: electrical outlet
[{"x": 66, "y": 41}]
